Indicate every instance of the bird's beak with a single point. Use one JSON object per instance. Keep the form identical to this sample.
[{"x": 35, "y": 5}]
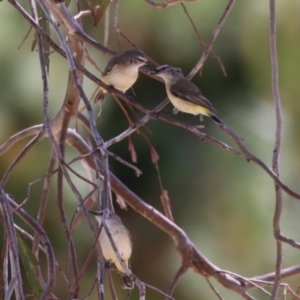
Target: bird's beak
[
  {"x": 93, "y": 212},
  {"x": 145, "y": 60},
  {"x": 154, "y": 72}
]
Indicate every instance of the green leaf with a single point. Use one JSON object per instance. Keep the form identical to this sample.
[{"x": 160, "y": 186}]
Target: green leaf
[
  {"x": 29, "y": 263},
  {"x": 101, "y": 10}
]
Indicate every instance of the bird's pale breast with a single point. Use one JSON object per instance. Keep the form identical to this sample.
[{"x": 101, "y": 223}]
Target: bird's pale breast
[
  {"x": 122, "y": 78},
  {"x": 122, "y": 242}
]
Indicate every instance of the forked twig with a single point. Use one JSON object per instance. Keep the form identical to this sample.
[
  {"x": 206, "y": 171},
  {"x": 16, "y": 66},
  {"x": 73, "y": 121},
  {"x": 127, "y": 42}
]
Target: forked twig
[
  {"x": 16, "y": 279},
  {"x": 202, "y": 44},
  {"x": 182, "y": 270},
  {"x": 212, "y": 40},
  {"x": 214, "y": 289},
  {"x": 166, "y": 4}
]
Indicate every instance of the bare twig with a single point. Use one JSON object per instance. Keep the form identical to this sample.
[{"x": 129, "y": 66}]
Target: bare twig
[
  {"x": 24, "y": 151},
  {"x": 182, "y": 270},
  {"x": 111, "y": 285},
  {"x": 59, "y": 178},
  {"x": 84, "y": 13},
  {"x": 12, "y": 246},
  {"x": 214, "y": 289},
  {"x": 45, "y": 242},
  {"x": 89, "y": 257},
  {"x": 211, "y": 42},
  {"x": 159, "y": 291},
  {"x": 30, "y": 237},
  {"x": 277, "y": 148},
  {"x": 167, "y": 3},
  {"x": 100, "y": 280},
  {"x": 285, "y": 273},
  {"x": 106, "y": 21},
  {"x": 34, "y": 130},
  {"x": 202, "y": 44},
  {"x": 184, "y": 246},
  {"x": 92, "y": 122}
]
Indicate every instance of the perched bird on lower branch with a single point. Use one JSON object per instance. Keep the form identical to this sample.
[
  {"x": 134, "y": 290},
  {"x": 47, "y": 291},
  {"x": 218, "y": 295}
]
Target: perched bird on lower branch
[{"x": 122, "y": 240}]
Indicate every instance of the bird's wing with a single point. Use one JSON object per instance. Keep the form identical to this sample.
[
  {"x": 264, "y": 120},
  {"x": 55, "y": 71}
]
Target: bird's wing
[
  {"x": 110, "y": 65},
  {"x": 191, "y": 94}
]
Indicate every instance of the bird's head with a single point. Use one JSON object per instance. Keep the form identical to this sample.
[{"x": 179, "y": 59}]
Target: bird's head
[
  {"x": 166, "y": 72},
  {"x": 135, "y": 57}
]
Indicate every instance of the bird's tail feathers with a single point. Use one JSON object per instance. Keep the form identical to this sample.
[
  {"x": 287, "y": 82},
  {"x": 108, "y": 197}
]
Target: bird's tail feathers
[{"x": 216, "y": 119}]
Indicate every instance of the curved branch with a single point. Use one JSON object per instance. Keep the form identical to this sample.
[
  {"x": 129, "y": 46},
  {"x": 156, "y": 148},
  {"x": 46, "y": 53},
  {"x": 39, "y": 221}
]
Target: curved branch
[{"x": 185, "y": 247}]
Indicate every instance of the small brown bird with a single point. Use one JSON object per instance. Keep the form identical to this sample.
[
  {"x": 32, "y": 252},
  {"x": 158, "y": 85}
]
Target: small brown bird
[
  {"x": 183, "y": 94},
  {"x": 121, "y": 72},
  {"x": 122, "y": 239}
]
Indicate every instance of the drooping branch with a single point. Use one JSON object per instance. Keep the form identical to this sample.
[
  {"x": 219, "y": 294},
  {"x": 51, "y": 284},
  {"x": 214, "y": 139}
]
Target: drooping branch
[
  {"x": 277, "y": 148},
  {"x": 185, "y": 247}
]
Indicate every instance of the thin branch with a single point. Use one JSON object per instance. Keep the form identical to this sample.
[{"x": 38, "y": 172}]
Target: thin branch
[
  {"x": 89, "y": 257},
  {"x": 202, "y": 44},
  {"x": 99, "y": 142},
  {"x": 11, "y": 288},
  {"x": 106, "y": 26},
  {"x": 137, "y": 171},
  {"x": 92, "y": 122},
  {"x": 182, "y": 270},
  {"x": 285, "y": 273},
  {"x": 100, "y": 280},
  {"x": 159, "y": 291},
  {"x": 65, "y": 19},
  {"x": 71, "y": 253},
  {"x": 45, "y": 242},
  {"x": 24, "y": 151},
  {"x": 166, "y": 4},
  {"x": 184, "y": 246},
  {"x": 294, "y": 294},
  {"x": 214, "y": 289},
  {"x": 30, "y": 237},
  {"x": 211, "y": 42},
  {"x": 84, "y": 13},
  {"x": 12, "y": 245},
  {"x": 277, "y": 148},
  {"x": 33, "y": 130},
  {"x": 4, "y": 267},
  {"x": 111, "y": 285},
  {"x": 59, "y": 177},
  {"x": 155, "y": 115}
]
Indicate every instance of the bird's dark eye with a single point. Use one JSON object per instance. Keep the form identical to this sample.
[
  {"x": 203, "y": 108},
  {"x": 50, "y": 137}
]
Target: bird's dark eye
[{"x": 138, "y": 59}]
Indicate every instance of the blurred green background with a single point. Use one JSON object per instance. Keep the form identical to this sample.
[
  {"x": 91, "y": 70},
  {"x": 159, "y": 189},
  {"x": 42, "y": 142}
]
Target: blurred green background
[{"x": 224, "y": 204}]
